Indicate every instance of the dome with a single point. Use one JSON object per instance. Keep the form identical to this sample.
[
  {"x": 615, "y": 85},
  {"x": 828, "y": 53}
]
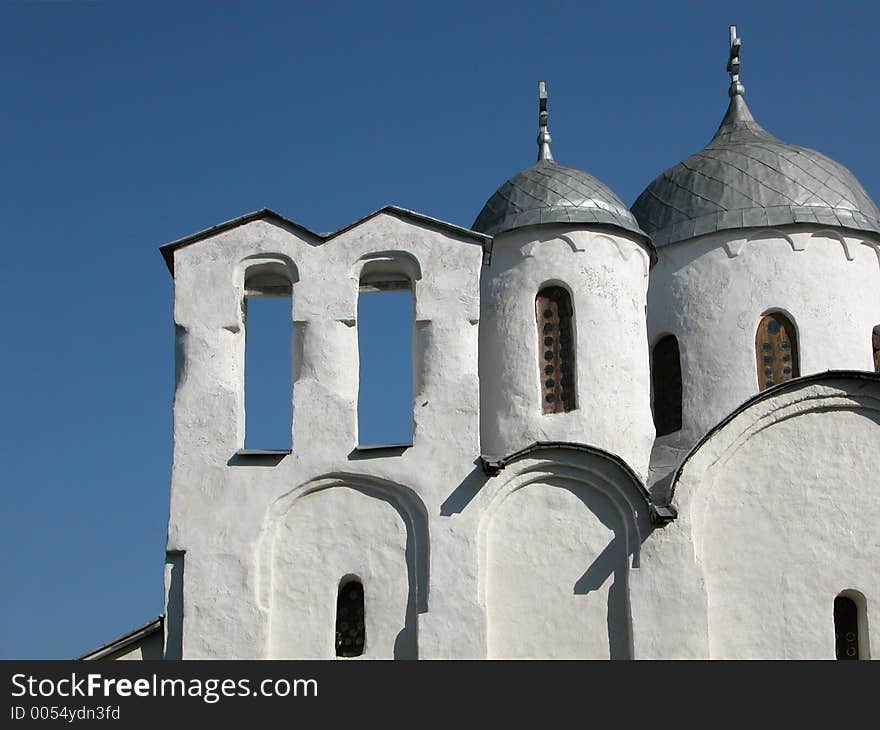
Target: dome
[
  {"x": 548, "y": 192},
  {"x": 746, "y": 178}
]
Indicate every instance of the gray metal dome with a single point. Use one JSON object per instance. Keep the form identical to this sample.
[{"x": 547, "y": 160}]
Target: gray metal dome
[
  {"x": 548, "y": 192},
  {"x": 746, "y": 178}
]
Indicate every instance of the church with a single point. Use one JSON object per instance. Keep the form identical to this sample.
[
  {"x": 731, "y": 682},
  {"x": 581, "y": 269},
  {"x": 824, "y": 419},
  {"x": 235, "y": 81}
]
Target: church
[{"x": 637, "y": 433}]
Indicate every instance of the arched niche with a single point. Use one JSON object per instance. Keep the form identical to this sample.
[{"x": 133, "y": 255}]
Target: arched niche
[
  {"x": 341, "y": 527},
  {"x": 557, "y": 542},
  {"x": 779, "y": 504}
]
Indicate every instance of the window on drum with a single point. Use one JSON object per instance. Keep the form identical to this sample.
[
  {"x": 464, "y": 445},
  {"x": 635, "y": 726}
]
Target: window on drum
[
  {"x": 776, "y": 350},
  {"x": 555, "y": 318}
]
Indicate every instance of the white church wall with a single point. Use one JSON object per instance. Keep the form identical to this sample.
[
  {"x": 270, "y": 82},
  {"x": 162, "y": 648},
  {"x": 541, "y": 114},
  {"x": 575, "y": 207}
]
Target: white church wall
[
  {"x": 606, "y": 275},
  {"x": 327, "y": 536},
  {"x": 556, "y": 577},
  {"x": 780, "y": 506},
  {"x": 560, "y": 535},
  {"x": 711, "y": 293},
  {"x": 221, "y": 497},
  {"x": 555, "y": 555}
]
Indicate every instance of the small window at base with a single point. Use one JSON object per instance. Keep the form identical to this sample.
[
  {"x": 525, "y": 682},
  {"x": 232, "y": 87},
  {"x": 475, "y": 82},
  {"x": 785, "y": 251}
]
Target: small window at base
[
  {"x": 351, "y": 633},
  {"x": 846, "y": 628}
]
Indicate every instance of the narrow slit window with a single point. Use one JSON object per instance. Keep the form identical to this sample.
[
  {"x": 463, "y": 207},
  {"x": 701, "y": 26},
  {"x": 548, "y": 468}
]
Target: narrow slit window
[
  {"x": 776, "y": 350},
  {"x": 351, "y": 631},
  {"x": 268, "y": 377},
  {"x": 555, "y": 316},
  {"x": 846, "y": 628},
  {"x": 875, "y": 346},
  {"x": 385, "y": 347},
  {"x": 666, "y": 381}
]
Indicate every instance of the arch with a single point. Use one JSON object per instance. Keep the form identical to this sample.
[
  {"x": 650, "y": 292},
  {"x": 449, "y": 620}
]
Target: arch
[
  {"x": 832, "y": 235},
  {"x": 388, "y": 270},
  {"x": 666, "y": 385},
  {"x": 777, "y": 355},
  {"x": 615, "y": 504},
  {"x": 266, "y": 274},
  {"x": 761, "y": 411},
  {"x": 268, "y": 365},
  {"x": 555, "y": 319},
  {"x": 734, "y": 247},
  {"x": 404, "y": 499},
  {"x": 386, "y": 314},
  {"x": 789, "y": 532},
  {"x": 647, "y": 253},
  {"x": 281, "y": 543}
]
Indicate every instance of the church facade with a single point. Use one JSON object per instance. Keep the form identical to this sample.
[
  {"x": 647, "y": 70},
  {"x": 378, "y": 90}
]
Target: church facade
[{"x": 637, "y": 433}]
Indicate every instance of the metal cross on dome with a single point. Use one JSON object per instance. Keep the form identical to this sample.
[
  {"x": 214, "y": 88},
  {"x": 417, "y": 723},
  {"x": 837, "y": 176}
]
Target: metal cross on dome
[
  {"x": 544, "y": 138},
  {"x": 736, "y": 88}
]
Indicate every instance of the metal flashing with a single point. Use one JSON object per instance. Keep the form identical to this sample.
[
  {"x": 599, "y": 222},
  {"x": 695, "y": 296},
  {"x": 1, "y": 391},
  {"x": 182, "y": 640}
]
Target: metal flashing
[
  {"x": 659, "y": 515},
  {"x": 167, "y": 250},
  {"x": 767, "y": 394}
]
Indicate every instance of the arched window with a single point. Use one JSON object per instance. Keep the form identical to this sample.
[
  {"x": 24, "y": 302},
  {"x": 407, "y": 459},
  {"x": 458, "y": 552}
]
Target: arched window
[
  {"x": 351, "y": 632},
  {"x": 666, "y": 381},
  {"x": 846, "y": 627},
  {"x": 385, "y": 322},
  {"x": 556, "y": 347},
  {"x": 875, "y": 345},
  {"x": 268, "y": 368},
  {"x": 776, "y": 350}
]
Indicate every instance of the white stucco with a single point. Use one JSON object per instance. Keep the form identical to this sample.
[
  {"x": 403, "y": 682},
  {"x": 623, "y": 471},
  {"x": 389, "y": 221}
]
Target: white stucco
[
  {"x": 327, "y": 536},
  {"x": 777, "y": 516},
  {"x": 227, "y": 508},
  {"x": 711, "y": 293},
  {"x": 555, "y": 555},
  {"x": 606, "y": 274}
]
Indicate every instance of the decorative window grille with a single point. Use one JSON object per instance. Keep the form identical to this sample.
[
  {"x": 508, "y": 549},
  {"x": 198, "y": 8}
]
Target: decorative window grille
[
  {"x": 776, "y": 350},
  {"x": 554, "y": 315}
]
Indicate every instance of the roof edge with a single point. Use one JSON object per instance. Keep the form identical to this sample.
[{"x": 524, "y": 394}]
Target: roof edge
[
  {"x": 758, "y": 398},
  {"x": 659, "y": 515},
  {"x": 666, "y": 236},
  {"x": 149, "y": 628},
  {"x": 167, "y": 250}
]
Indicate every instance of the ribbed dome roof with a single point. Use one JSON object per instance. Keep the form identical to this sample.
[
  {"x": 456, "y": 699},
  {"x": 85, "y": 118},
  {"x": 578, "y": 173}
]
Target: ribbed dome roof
[
  {"x": 747, "y": 178},
  {"x": 548, "y": 192}
]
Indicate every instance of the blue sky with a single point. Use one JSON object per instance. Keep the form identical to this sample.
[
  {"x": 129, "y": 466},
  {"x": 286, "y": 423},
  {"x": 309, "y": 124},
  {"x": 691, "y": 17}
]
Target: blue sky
[{"x": 126, "y": 125}]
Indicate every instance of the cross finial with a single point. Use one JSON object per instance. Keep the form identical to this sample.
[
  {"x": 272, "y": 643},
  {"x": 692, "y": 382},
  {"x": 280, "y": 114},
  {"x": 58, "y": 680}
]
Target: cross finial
[
  {"x": 544, "y": 138},
  {"x": 736, "y": 88}
]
